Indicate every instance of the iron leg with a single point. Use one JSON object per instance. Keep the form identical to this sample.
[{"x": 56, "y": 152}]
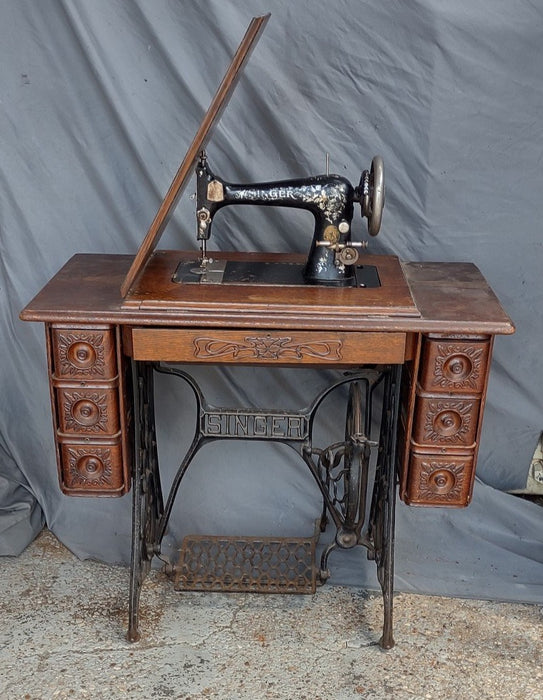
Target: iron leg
[
  {"x": 136, "y": 577},
  {"x": 387, "y": 564},
  {"x": 136, "y": 559},
  {"x": 383, "y": 508},
  {"x": 382, "y": 537},
  {"x": 147, "y": 506}
]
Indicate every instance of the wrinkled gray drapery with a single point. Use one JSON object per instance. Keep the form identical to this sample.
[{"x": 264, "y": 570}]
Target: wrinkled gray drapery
[{"x": 100, "y": 101}]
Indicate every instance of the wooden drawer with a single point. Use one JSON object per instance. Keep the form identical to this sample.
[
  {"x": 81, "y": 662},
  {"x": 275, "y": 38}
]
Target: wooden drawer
[
  {"x": 440, "y": 449},
  {"x": 446, "y": 422},
  {"x": 440, "y": 480},
  {"x": 83, "y": 353},
  {"x": 266, "y": 347},
  {"x": 92, "y": 468},
  {"x": 88, "y": 411},
  {"x": 88, "y": 381},
  {"x": 454, "y": 365}
]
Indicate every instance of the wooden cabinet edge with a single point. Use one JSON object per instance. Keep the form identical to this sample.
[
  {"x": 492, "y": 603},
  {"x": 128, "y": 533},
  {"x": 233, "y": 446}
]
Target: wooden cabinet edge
[
  {"x": 407, "y": 402},
  {"x": 125, "y": 411}
]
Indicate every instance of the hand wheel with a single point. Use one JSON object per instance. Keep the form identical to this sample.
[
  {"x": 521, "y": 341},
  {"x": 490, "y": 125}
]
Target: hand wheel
[{"x": 371, "y": 194}]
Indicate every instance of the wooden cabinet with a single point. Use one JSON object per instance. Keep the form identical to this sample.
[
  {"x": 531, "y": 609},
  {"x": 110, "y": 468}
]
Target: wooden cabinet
[
  {"x": 437, "y": 319},
  {"x": 88, "y": 379},
  {"x": 442, "y": 416}
]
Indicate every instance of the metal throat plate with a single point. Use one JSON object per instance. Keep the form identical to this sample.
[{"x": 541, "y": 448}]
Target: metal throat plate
[{"x": 260, "y": 273}]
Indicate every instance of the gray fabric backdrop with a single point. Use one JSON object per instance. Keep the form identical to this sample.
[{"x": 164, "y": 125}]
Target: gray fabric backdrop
[{"x": 99, "y": 101}]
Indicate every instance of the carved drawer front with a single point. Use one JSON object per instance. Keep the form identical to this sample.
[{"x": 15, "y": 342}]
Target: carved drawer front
[
  {"x": 88, "y": 380},
  {"x": 88, "y": 411},
  {"x": 83, "y": 353},
  {"x": 440, "y": 480},
  {"x": 91, "y": 468},
  {"x": 454, "y": 366},
  {"x": 267, "y": 346},
  {"x": 444, "y": 421},
  {"x": 447, "y": 395}
]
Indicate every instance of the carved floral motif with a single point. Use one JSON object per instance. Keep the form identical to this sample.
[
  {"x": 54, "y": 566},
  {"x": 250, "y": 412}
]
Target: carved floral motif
[
  {"x": 448, "y": 421},
  {"x": 441, "y": 482},
  {"x": 85, "y": 412},
  {"x": 458, "y": 366},
  {"x": 81, "y": 353},
  {"x": 90, "y": 469},
  {"x": 266, "y": 347}
]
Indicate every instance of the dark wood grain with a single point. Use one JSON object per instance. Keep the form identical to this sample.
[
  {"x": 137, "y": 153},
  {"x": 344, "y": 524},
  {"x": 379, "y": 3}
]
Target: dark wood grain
[{"x": 451, "y": 298}]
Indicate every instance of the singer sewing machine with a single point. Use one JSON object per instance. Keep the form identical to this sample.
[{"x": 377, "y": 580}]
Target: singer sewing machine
[
  {"x": 333, "y": 256},
  {"x": 409, "y": 343}
]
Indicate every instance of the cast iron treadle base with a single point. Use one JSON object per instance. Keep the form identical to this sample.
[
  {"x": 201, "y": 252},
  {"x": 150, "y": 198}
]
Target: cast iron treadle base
[
  {"x": 247, "y": 564},
  {"x": 340, "y": 470}
]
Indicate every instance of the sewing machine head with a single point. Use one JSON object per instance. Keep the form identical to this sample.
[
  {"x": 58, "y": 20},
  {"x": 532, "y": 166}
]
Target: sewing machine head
[{"x": 333, "y": 255}]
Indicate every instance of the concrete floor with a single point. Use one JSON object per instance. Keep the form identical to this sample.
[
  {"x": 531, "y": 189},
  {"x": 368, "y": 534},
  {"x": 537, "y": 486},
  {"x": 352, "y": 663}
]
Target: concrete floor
[{"x": 63, "y": 624}]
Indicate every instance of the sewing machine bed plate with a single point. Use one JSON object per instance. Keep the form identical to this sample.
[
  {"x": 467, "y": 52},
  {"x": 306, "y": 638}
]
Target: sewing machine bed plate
[
  {"x": 156, "y": 287},
  {"x": 261, "y": 273}
]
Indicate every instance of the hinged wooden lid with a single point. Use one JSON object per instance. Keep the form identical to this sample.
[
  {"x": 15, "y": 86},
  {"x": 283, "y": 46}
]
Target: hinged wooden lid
[{"x": 212, "y": 116}]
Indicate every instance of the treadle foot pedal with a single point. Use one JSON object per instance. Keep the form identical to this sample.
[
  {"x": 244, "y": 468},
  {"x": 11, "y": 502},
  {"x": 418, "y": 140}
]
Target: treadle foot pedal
[{"x": 247, "y": 564}]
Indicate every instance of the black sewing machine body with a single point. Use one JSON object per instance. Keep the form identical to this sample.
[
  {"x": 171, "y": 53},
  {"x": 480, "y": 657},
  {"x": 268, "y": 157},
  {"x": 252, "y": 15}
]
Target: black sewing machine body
[{"x": 333, "y": 256}]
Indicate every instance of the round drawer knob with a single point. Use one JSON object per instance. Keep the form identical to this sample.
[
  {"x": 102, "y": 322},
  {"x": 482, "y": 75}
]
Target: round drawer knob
[
  {"x": 442, "y": 481},
  {"x": 82, "y": 355},
  {"x": 86, "y": 412},
  {"x": 90, "y": 467},
  {"x": 457, "y": 368},
  {"x": 447, "y": 423}
]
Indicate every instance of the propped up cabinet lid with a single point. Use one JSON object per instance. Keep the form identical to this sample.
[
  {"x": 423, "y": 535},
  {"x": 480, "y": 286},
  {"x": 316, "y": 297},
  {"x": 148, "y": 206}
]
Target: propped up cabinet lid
[{"x": 212, "y": 116}]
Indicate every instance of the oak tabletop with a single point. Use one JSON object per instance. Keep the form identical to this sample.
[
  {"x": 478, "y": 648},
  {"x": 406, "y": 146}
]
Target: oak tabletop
[{"x": 439, "y": 297}]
